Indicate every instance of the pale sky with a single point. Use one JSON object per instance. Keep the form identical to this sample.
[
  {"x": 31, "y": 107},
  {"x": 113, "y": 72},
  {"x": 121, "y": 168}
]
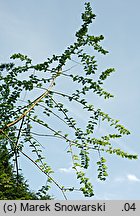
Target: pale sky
[{"x": 43, "y": 28}]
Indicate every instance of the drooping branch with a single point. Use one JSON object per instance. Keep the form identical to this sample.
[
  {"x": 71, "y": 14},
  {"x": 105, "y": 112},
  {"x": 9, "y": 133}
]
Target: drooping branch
[
  {"x": 33, "y": 104},
  {"x": 41, "y": 169}
]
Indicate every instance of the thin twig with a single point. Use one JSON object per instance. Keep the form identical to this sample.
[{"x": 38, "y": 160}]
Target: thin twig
[
  {"x": 29, "y": 158},
  {"x": 16, "y": 149}
]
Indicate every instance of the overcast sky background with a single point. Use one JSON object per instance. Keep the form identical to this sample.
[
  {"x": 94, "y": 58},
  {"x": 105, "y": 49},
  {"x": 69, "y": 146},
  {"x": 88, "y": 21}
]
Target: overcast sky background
[{"x": 42, "y": 28}]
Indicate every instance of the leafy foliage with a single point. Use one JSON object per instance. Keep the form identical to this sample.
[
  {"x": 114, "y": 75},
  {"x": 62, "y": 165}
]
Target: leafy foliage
[
  {"x": 13, "y": 188},
  {"x": 21, "y": 79}
]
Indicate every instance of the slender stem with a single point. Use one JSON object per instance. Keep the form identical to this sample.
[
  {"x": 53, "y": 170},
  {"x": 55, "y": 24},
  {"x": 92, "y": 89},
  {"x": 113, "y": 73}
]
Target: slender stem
[{"x": 16, "y": 149}]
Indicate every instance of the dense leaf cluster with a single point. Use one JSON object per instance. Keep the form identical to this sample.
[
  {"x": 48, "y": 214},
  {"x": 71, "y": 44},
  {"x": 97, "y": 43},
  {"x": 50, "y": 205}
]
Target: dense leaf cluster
[{"x": 12, "y": 188}]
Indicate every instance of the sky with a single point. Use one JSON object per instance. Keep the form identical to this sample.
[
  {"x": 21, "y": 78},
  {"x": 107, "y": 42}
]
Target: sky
[{"x": 42, "y": 28}]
